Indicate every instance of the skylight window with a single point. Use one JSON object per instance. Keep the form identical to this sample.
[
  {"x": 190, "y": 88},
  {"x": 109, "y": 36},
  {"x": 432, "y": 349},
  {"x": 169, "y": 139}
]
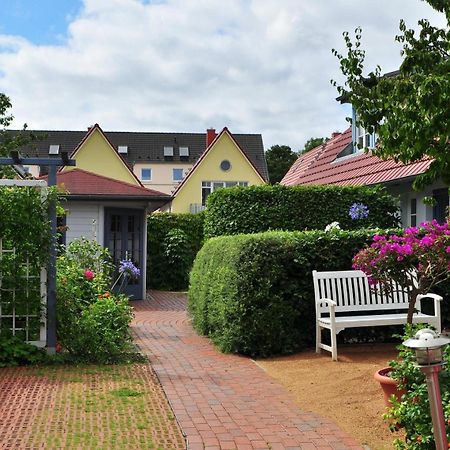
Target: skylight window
[
  {"x": 184, "y": 151},
  {"x": 123, "y": 149},
  {"x": 168, "y": 151},
  {"x": 53, "y": 149}
]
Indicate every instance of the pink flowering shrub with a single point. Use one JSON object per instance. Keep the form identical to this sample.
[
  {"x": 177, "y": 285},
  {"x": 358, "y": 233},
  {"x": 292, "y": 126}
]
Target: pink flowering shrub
[
  {"x": 89, "y": 275},
  {"x": 418, "y": 259}
]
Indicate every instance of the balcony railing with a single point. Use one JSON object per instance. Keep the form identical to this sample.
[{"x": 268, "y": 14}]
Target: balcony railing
[{"x": 195, "y": 208}]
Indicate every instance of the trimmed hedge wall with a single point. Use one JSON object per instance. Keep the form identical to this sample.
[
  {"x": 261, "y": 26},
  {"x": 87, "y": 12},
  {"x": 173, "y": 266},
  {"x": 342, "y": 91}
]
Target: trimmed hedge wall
[
  {"x": 173, "y": 241},
  {"x": 256, "y": 209},
  {"x": 254, "y": 295}
]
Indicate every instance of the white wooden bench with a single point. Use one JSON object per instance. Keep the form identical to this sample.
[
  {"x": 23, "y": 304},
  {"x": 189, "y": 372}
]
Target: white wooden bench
[{"x": 341, "y": 294}]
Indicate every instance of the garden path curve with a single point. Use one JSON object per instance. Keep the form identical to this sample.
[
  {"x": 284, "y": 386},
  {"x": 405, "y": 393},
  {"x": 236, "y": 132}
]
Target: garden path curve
[{"x": 223, "y": 401}]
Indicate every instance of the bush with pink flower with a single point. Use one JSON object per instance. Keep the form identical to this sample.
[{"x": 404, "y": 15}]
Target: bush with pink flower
[
  {"x": 418, "y": 258},
  {"x": 92, "y": 322}
]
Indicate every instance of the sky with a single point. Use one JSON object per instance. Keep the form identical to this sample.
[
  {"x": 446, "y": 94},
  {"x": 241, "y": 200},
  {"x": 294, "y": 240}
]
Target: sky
[{"x": 254, "y": 66}]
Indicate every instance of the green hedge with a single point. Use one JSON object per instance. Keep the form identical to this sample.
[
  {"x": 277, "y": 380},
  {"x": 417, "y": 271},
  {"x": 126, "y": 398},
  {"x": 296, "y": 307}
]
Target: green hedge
[
  {"x": 173, "y": 241},
  {"x": 256, "y": 209},
  {"x": 253, "y": 294}
]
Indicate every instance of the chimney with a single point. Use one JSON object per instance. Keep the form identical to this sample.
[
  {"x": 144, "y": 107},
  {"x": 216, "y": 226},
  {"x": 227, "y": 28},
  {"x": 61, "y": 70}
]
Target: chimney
[
  {"x": 210, "y": 136},
  {"x": 335, "y": 134}
]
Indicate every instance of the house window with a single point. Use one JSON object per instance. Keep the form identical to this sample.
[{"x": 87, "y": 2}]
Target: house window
[
  {"x": 413, "y": 207},
  {"x": 177, "y": 174},
  {"x": 225, "y": 165},
  {"x": 123, "y": 149},
  {"x": 53, "y": 149},
  {"x": 146, "y": 174},
  {"x": 184, "y": 151},
  {"x": 361, "y": 137},
  {"x": 168, "y": 151},
  {"x": 211, "y": 186},
  {"x": 440, "y": 209}
]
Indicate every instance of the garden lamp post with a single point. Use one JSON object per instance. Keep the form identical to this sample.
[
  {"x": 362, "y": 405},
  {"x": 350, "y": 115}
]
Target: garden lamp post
[{"x": 428, "y": 346}]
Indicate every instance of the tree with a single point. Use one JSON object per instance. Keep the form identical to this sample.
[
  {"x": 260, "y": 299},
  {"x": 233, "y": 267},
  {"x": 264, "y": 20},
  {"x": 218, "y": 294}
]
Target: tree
[
  {"x": 10, "y": 141},
  {"x": 313, "y": 143},
  {"x": 279, "y": 160},
  {"x": 409, "y": 111}
]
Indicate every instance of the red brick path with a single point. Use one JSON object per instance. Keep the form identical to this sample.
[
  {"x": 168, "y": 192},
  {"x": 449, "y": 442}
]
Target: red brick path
[{"x": 223, "y": 401}]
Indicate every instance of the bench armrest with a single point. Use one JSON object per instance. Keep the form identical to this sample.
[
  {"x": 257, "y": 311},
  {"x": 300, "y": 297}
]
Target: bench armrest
[
  {"x": 328, "y": 301},
  {"x": 435, "y": 297},
  {"x": 437, "y": 306}
]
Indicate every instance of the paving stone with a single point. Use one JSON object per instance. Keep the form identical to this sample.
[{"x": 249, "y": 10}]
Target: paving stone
[{"x": 243, "y": 407}]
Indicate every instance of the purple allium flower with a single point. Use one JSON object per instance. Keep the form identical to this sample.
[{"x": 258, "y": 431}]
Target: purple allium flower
[
  {"x": 127, "y": 267},
  {"x": 358, "y": 211}
]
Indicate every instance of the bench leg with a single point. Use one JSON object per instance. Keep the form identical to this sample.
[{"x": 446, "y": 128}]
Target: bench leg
[
  {"x": 318, "y": 337},
  {"x": 333, "y": 345}
]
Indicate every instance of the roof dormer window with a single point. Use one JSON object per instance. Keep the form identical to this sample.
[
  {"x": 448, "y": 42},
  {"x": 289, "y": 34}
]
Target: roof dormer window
[
  {"x": 53, "y": 149},
  {"x": 168, "y": 151},
  {"x": 184, "y": 151},
  {"x": 360, "y": 136},
  {"x": 363, "y": 138}
]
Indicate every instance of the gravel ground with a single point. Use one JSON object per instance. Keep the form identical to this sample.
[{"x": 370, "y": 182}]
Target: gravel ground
[{"x": 343, "y": 391}]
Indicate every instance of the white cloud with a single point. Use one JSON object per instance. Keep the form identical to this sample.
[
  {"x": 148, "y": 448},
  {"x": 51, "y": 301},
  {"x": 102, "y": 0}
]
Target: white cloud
[{"x": 257, "y": 66}]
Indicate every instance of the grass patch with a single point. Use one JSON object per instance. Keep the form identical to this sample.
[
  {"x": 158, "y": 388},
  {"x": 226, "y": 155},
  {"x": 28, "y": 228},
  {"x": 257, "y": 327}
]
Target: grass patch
[
  {"x": 111, "y": 406},
  {"x": 126, "y": 392}
]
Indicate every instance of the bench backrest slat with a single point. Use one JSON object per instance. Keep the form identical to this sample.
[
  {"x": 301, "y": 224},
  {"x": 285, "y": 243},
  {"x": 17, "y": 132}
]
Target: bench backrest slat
[{"x": 351, "y": 291}]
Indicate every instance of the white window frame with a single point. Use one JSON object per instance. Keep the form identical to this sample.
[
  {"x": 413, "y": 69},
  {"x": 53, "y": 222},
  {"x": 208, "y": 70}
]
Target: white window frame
[
  {"x": 168, "y": 150},
  {"x": 211, "y": 186},
  {"x": 413, "y": 212},
  {"x": 173, "y": 174},
  {"x": 361, "y": 137},
  {"x": 184, "y": 151},
  {"x": 142, "y": 174}
]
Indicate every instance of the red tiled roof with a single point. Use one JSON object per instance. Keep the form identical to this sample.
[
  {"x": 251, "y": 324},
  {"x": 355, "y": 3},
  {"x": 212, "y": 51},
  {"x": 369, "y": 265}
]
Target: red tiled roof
[
  {"x": 319, "y": 166},
  {"x": 82, "y": 182}
]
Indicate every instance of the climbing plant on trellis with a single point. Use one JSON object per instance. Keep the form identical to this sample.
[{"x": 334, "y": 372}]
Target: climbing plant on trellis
[{"x": 24, "y": 243}]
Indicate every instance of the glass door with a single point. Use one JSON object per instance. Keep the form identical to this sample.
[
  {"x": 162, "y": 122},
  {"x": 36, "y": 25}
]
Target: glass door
[{"x": 124, "y": 239}]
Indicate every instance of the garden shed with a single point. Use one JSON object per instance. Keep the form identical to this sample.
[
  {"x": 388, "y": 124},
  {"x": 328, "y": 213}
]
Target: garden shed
[{"x": 111, "y": 212}]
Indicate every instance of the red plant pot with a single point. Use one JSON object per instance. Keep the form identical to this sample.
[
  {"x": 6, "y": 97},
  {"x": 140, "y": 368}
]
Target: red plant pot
[{"x": 388, "y": 385}]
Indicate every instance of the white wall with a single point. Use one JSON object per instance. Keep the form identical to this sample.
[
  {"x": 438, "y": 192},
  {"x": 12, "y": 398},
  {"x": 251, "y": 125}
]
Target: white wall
[
  {"x": 84, "y": 220},
  {"x": 406, "y": 193}
]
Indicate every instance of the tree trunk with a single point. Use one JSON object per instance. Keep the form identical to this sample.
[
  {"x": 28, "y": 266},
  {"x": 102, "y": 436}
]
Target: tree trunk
[{"x": 412, "y": 303}]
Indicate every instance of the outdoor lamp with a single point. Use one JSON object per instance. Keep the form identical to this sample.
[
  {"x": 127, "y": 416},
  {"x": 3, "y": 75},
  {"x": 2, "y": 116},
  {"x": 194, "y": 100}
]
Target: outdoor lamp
[{"x": 428, "y": 346}]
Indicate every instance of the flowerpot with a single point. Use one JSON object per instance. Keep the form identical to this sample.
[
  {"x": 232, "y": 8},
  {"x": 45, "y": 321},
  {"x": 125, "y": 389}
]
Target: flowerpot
[{"x": 388, "y": 385}]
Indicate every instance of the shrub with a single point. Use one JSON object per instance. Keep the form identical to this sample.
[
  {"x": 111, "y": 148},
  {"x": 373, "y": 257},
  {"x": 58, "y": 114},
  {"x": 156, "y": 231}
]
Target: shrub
[
  {"x": 418, "y": 258},
  {"x": 253, "y": 294},
  {"x": 102, "y": 331},
  {"x": 412, "y": 413},
  {"x": 15, "y": 352},
  {"x": 92, "y": 324},
  {"x": 173, "y": 241},
  {"x": 24, "y": 239},
  {"x": 256, "y": 209}
]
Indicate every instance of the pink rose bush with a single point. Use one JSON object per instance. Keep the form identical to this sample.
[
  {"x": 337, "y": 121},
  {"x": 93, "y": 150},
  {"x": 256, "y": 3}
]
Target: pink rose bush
[
  {"x": 418, "y": 259},
  {"x": 89, "y": 275}
]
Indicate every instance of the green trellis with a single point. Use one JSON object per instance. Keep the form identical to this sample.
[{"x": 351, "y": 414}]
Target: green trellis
[{"x": 23, "y": 283}]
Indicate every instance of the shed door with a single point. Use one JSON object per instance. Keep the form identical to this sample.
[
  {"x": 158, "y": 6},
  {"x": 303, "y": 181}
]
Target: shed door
[{"x": 124, "y": 239}]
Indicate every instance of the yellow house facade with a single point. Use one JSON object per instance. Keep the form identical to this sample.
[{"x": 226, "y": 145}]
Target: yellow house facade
[
  {"x": 184, "y": 166},
  {"x": 223, "y": 164},
  {"x": 97, "y": 155}
]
